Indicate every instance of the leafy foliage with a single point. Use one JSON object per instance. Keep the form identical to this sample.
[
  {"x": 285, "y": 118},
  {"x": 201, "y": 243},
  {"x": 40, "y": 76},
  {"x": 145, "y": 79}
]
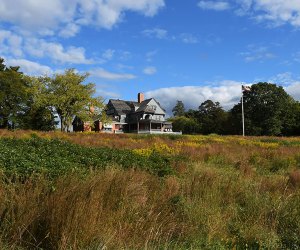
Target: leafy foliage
[
  {"x": 20, "y": 101},
  {"x": 13, "y": 95},
  {"x": 212, "y": 117},
  {"x": 269, "y": 110},
  {"x": 70, "y": 97},
  {"x": 185, "y": 124},
  {"x": 56, "y": 157},
  {"x": 179, "y": 109}
]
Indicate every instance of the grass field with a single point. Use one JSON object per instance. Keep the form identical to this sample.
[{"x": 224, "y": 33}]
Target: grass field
[{"x": 101, "y": 191}]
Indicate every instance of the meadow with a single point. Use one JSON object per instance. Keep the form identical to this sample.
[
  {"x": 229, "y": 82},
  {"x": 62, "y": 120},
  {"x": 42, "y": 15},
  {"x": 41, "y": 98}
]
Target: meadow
[{"x": 102, "y": 191}]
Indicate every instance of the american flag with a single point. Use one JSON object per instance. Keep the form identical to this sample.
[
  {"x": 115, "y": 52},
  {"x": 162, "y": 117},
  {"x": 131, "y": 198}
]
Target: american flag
[{"x": 246, "y": 88}]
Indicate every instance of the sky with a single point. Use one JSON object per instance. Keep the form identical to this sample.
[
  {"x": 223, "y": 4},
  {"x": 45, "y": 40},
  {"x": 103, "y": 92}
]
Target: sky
[{"x": 171, "y": 50}]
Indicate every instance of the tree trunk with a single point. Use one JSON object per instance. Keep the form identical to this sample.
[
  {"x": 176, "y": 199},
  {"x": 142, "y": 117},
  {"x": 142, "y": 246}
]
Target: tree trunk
[
  {"x": 4, "y": 125},
  {"x": 62, "y": 124}
]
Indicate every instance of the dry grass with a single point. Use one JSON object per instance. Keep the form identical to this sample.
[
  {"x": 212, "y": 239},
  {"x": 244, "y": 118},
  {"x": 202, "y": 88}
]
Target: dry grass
[
  {"x": 114, "y": 209},
  {"x": 235, "y": 194},
  {"x": 206, "y": 208}
]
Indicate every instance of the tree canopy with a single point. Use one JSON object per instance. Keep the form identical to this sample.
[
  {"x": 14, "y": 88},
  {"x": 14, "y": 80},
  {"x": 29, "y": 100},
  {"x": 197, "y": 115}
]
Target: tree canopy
[
  {"x": 179, "y": 109},
  {"x": 212, "y": 117},
  {"x": 268, "y": 109},
  {"x": 13, "y": 95},
  {"x": 32, "y": 102},
  {"x": 70, "y": 97}
]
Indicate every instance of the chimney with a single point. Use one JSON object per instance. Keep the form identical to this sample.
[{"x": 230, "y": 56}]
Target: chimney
[{"x": 141, "y": 97}]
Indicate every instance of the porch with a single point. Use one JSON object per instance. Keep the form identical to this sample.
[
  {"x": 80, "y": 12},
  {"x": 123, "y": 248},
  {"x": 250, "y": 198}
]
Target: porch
[{"x": 147, "y": 126}]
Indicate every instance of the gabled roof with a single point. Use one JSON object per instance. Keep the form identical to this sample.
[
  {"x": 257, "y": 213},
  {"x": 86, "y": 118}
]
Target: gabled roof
[
  {"x": 121, "y": 107},
  {"x": 143, "y": 106},
  {"x": 125, "y": 107}
]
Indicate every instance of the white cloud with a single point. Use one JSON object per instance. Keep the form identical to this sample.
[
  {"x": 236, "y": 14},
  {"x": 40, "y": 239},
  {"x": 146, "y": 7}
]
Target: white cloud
[
  {"x": 100, "y": 91},
  {"x": 278, "y": 11},
  {"x": 65, "y": 16},
  {"x": 125, "y": 55},
  {"x": 296, "y": 57},
  {"x": 227, "y": 93},
  {"x": 10, "y": 43},
  {"x": 150, "y": 70},
  {"x": 104, "y": 74},
  {"x": 56, "y": 51},
  {"x": 274, "y": 12},
  {"x": 156, "y": 33},
  {"x": 150, "y": 55},
  {"x": 70, "y": 30},
  {"x": 283, "y": 79},
  {"x": 108, "y": 54},
  {"x": 290, "y": 82},
  {"x": 29, "y": 67},
  {"x": 188, "y": 38},
  {"x": 214, "y": 5},
  {"x": 13, "y": 44},
  {"x": 294, "y": 90},
  {"x": 257, "y": 53}
]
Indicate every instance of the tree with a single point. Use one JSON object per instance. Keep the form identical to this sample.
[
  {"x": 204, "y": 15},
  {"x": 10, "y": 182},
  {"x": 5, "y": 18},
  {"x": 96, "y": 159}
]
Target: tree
[
  {"x": 185, "y": 124},
  {"x": 70, "y": 97},
  {"x": 13, "y": 95},
  {"x": 269, "y": 110},
  {"x": 179, "y": 109},
  {"x": 212, "y": 117},
  {"x": 37, "y": 115}
]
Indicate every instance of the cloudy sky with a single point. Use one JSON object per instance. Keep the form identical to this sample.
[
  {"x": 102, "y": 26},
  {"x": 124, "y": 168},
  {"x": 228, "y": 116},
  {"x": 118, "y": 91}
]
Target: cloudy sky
[{"x": 169, "y": 49}]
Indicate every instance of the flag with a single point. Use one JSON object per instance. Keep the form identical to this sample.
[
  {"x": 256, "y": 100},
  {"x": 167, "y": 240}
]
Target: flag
[{"x": 246, "y": 88}]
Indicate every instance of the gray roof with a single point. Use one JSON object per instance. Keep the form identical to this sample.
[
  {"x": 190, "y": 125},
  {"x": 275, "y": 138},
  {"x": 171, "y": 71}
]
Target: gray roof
[
  {"x": 125, "y": 107},
  {"x": 144, "y": 107}
]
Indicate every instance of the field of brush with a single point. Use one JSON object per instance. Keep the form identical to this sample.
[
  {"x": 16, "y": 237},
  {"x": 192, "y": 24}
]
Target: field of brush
[{"x": 100, "y": 191}]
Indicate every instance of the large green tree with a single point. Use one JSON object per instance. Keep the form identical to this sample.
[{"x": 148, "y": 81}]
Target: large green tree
[
  {"x": 269, "y": 110},
  {"x": 13, "y": 95},
  {"x": 68, "y": 94},
  {"x": 212, "y": 117},
  {"x": 37, "y": 114}
]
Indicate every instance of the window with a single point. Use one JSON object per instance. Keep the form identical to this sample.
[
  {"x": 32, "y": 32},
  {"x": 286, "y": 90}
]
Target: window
[{"x": 152, "y": 107}]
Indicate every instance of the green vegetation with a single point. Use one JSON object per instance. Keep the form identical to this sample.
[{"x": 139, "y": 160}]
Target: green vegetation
[
  {"x": 94, "y": 191},
  {"x": 52, "y": 158},
  {"x": 269, "y": 110},
  {"x": 32, "y": 102}
]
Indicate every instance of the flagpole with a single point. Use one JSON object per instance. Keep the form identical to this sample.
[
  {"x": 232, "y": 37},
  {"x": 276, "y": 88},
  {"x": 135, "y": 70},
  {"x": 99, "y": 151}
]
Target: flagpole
[{"x": 243, "y": 115}]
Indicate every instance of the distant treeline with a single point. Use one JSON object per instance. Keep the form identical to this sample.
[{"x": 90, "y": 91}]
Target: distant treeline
[
  {"x": 268, "y": 110},
  {"x": 32, "y": 102}
]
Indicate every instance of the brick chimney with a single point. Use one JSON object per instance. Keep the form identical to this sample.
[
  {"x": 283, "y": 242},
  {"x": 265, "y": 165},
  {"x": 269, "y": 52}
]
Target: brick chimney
[{"x": 141, "y": 97}]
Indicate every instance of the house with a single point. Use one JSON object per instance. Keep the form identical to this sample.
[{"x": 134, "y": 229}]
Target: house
[{"x": 141, "y": 116}]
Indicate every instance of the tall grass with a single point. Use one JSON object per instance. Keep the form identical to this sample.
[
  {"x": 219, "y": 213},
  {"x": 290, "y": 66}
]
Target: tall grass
[
  {"x": 224, "y": 193},
  {"x": 206, "y": 208}
]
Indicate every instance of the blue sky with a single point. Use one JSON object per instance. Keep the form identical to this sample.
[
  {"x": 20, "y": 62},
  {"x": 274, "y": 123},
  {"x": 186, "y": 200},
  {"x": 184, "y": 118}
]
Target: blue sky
[{"x": 169, "y": 49}]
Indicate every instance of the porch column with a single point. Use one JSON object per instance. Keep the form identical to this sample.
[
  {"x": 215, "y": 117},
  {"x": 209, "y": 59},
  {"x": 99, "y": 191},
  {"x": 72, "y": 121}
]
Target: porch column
[
  {"x": 150, "y": 126},
  {"x": 138, "y": 126}
]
